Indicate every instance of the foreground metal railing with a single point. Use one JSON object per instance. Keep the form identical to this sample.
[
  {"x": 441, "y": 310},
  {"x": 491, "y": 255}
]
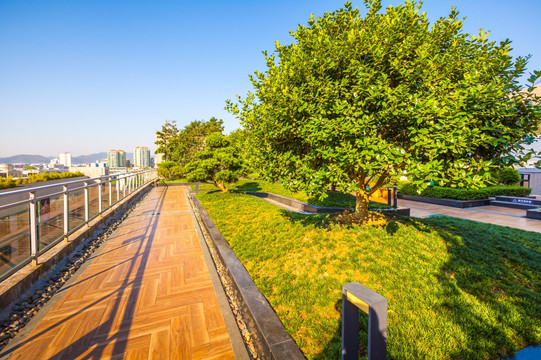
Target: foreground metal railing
[
  {"x": 35, "y": 219},
  {"x": 356, "y": 296}
]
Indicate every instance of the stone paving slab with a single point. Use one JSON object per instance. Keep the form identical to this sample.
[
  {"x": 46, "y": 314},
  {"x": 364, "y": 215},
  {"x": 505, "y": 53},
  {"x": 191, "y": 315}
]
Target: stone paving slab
[{"x": 497, "y": 215}]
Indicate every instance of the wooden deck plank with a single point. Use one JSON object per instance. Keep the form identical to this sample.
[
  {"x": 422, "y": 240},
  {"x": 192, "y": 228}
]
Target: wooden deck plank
[{"x": 147, "y": 294}]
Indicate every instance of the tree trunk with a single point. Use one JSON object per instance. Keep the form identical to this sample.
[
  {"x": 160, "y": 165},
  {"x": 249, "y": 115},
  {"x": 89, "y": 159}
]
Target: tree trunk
[
  {"x": 361, "y": 205},
  {"x": 221, "y": 185}
]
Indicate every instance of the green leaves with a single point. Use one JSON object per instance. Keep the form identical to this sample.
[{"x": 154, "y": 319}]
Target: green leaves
[
  {"x": 218, "y": 162},
  {"x": 385, "y": 94}
]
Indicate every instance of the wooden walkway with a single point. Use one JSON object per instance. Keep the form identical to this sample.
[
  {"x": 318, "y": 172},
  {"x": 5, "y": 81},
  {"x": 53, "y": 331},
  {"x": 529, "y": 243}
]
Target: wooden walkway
[{"x": 147, "y": 294}]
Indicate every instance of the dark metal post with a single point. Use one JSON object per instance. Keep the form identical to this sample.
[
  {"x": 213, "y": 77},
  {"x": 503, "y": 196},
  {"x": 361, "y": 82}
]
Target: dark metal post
[
  {"x": 354, "y": 297},
  {"x": 350, "y": 329}
]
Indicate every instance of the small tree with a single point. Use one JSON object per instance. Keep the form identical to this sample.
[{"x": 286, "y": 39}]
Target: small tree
[
  {"x": 355, "y": 100},
  {"x": 166, "y": 140},
  {"x": 218, "y": 162},
  {"x": 509, "y": 176}
]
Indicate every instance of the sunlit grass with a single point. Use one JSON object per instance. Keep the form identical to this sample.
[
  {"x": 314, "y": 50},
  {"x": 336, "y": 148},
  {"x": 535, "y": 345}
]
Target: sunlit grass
[
  {"x": 333, "y": 199},
  {"x": 456, "y": 289}
]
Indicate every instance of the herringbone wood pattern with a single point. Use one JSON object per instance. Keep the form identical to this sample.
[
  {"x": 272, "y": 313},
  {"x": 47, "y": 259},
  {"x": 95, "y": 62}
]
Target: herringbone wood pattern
[{"x": 148, "y": 294}]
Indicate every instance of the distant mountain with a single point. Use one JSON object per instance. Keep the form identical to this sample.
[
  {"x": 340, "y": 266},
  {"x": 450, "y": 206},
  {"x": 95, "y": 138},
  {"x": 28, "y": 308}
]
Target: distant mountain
[
  {"x": 86, "y": 159},
  {"x": 38, "y": 159},
  {"x": 26, "y": 159}
]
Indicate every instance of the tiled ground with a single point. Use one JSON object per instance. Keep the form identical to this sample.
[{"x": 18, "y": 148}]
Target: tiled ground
[
  {"x": 147, "y": 294},
  {"x": 489, "y": 214}
]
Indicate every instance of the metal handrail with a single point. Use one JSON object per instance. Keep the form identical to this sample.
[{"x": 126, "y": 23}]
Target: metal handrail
[
  {"x": 21, "y": 191},
  {"x": 130, "y": 182}
]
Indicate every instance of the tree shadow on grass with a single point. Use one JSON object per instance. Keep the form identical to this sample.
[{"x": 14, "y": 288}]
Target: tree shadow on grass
[
  {"x": 489, "y": 287},
  {"x": 249, "y": 186},
  {"x": 321, "y": 221},
  {"x": 501, "y": 272}
]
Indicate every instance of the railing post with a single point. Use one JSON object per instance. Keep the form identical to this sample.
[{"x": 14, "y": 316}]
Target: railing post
[
  {"x": 117, "y": 189},
  {"x": 66, "y": 212},
  {"x": 34, "y": 220},
  {"x": 100, "y": 197},
  {"x": 123, "y": 187},
  {"x": 354, "y": 297},
  {"x": 110, "y": 193},
  {"x": 87, "y": 207},
  {"x": 395, "y": 197}
]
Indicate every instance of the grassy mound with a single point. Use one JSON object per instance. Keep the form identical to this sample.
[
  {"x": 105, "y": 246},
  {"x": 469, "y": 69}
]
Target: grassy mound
[{"x": 456, "y": 289}]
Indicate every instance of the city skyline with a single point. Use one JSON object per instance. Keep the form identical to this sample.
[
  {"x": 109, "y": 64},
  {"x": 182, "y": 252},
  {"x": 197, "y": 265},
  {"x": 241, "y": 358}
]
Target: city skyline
[{"x": 85, "y": 77}]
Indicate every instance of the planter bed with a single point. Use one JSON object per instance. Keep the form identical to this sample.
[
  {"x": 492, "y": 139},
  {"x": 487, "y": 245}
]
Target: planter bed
[
  {"x": 269, "y": 335},
  {"x": 309, "y": 208},
  {"x": 446, "y": 202}
]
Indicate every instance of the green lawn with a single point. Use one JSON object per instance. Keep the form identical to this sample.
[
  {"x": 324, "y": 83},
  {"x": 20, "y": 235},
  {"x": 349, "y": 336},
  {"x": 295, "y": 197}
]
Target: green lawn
[
  {"x": 333, "y": 199},
  {"x": 456, "y": 289}
]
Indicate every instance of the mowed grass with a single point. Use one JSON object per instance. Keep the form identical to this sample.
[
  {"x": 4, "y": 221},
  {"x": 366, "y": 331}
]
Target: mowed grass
[
  {"x": 456, "y": 289},
  {"x": 333, "y": 199}
]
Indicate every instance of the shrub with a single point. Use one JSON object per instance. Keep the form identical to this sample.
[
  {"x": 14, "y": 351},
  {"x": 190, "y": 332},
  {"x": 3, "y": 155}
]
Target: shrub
[
  {"x": 465, "y": 194},
  {"x": 6, "y": 183},
  {"x": 509, "y": 176}
]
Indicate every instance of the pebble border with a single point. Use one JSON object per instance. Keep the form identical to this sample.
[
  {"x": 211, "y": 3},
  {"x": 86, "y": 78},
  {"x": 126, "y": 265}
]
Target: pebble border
[{"x": 232, "y": 297}]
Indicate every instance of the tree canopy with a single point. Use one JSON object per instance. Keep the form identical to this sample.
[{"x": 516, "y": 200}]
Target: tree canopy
[
  {"x": 180, "y": 146},
  {"x": 355, "y": 100},
  {"x": 218, "y": 162}
]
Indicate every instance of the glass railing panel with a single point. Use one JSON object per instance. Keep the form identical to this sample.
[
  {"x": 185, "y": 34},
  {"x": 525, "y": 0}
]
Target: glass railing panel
[
  {"x": 76, "y": 208},
  {"x": 104, "y": 196},
  {"x": 51, "y": 220},
  {"x": 14, "y": 237},
  {"x": 93, "y": 201}
]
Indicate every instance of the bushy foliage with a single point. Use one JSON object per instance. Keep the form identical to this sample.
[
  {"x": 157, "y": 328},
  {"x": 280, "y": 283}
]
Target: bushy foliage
[
  {"x": 464, "y": 194},
  {"x": 354, "y": 100},
  {"x": 180, "y": 146},
  {"x": 218, "y": 162},
  {"x": 165, "y": 169},
  {"x": 7, "y": 182},
  {"x": 509, "y": 176}
]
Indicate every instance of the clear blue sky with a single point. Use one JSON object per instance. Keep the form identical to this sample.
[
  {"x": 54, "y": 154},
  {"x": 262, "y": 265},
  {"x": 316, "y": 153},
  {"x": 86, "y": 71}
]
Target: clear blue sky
[{"x": 89, "y": 76}]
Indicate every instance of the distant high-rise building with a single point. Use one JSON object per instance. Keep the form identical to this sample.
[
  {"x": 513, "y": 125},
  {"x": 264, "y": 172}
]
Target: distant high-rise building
[
  {"x": 141, "y": 157},
  {"x": 65, "y": 159},
  {"x": 116, "y": 158}
]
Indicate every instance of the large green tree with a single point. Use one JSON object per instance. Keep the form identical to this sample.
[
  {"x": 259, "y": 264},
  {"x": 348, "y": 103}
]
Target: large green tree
[{"x": 355, "y": 100}]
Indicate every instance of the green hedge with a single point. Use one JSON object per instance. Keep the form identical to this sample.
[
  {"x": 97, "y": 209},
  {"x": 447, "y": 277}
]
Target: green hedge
[{"x": 465, "y": 194}]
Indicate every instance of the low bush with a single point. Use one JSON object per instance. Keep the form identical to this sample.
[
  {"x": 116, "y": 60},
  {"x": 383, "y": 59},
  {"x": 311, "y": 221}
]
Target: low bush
[
  {"x": 509, "y": 176},
  {"x": 465, "y": 194},
  {"x": 6, "y": 183},
  {"x": 34, "y": 178}
]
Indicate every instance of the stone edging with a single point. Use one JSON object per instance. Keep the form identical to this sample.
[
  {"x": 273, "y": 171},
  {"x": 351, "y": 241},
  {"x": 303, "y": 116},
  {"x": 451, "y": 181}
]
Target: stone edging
[
  {"x": 446, "y": 202},
  {"x": 268, "y": 333},
  {"x": 309, "y": 208}
]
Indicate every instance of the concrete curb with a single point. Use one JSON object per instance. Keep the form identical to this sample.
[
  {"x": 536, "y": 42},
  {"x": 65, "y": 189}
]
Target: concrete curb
[
  {"x": 269, "y": 335},
  {"x": 309, "y": 208},
  {"x": 446, "y": 202}
]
